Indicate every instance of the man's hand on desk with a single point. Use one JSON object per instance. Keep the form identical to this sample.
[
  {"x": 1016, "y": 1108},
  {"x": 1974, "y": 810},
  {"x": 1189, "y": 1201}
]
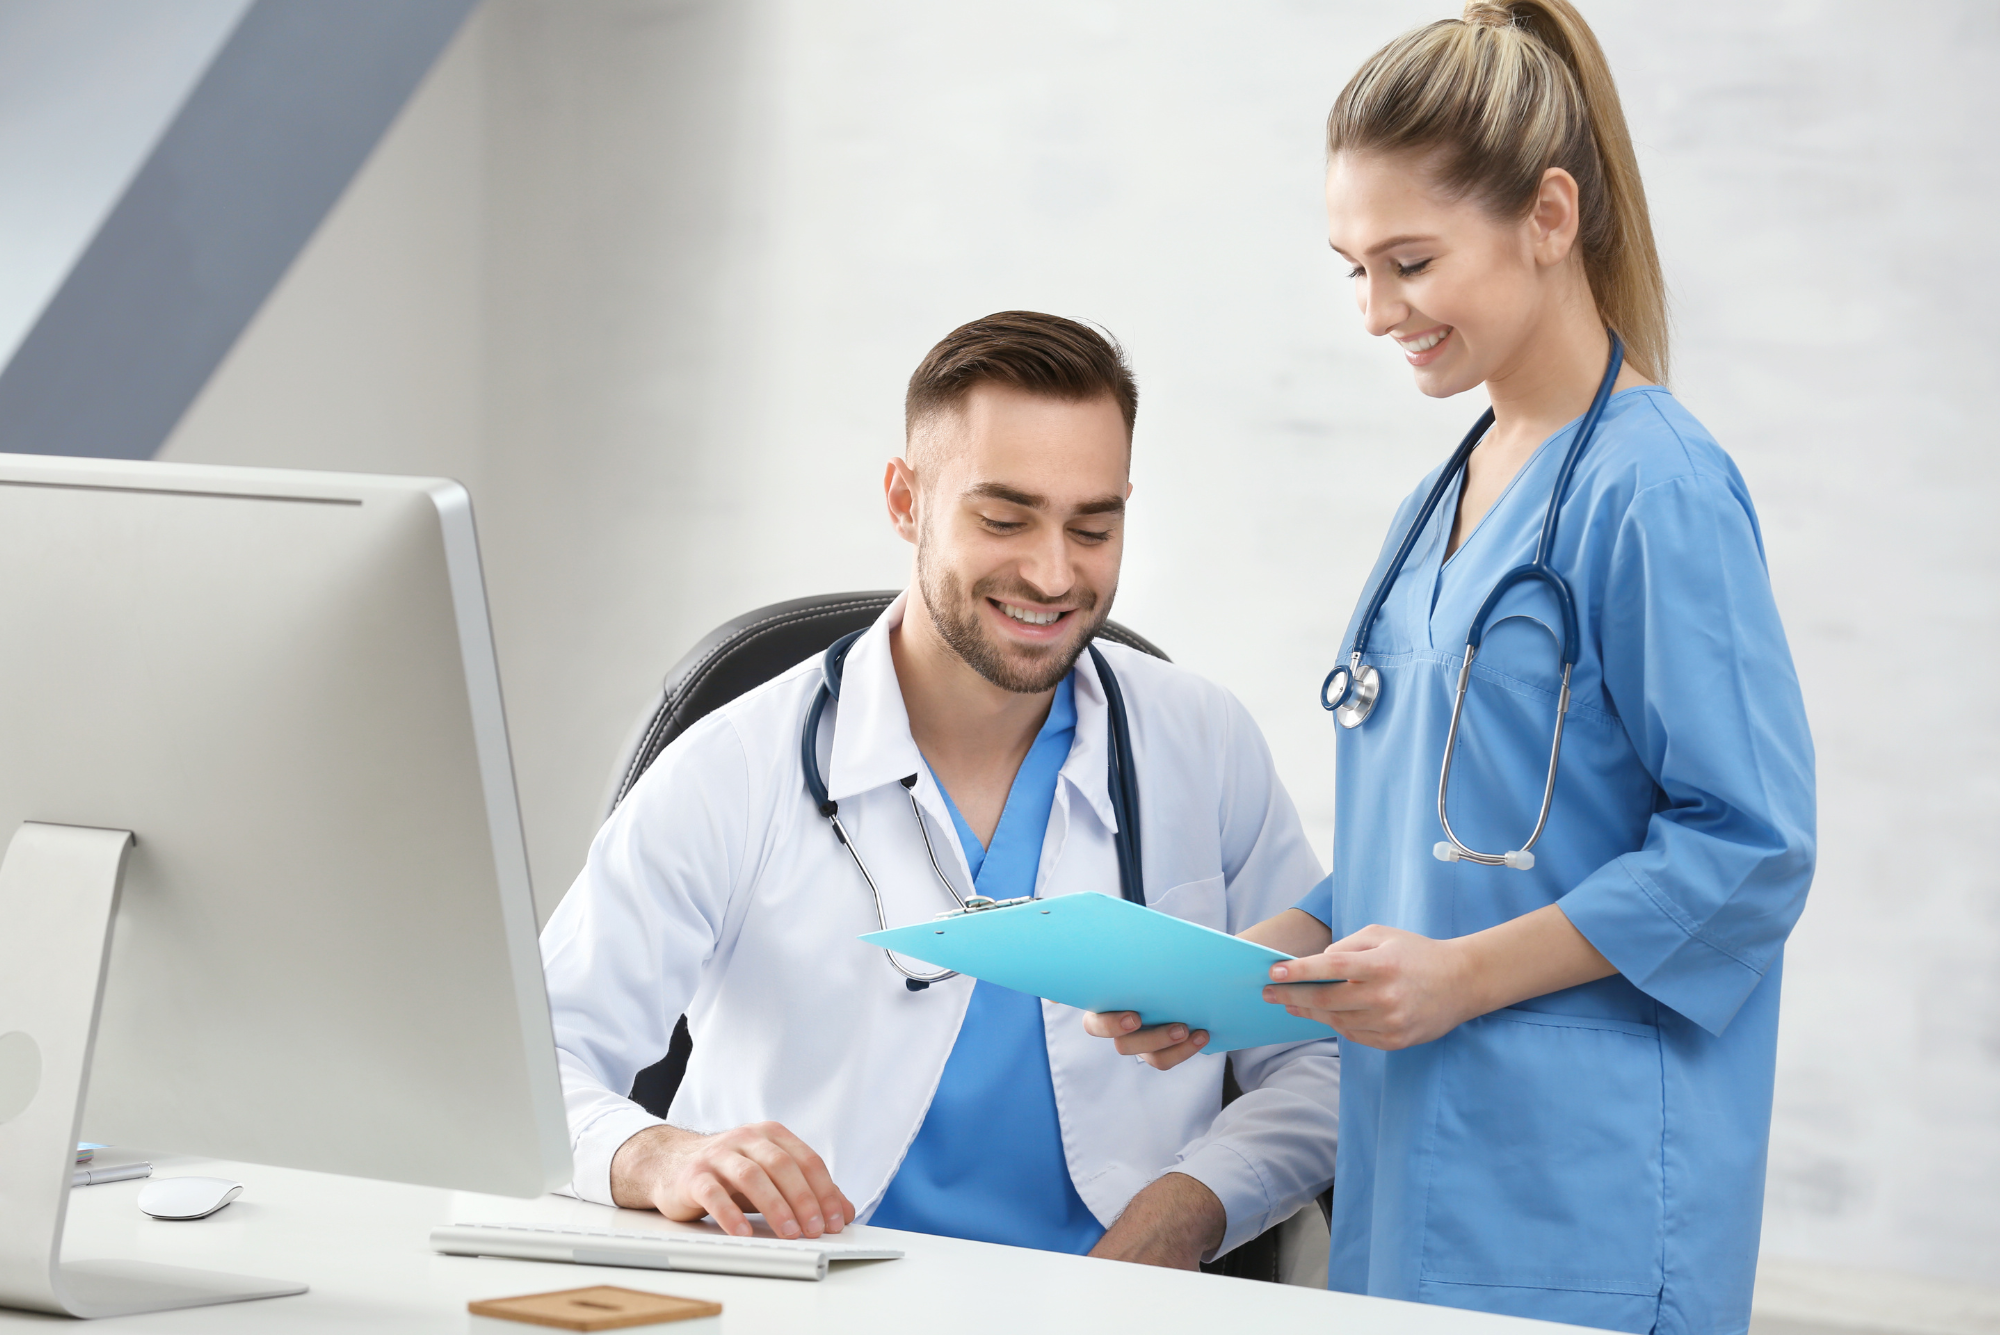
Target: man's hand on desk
[
  {"x": 764, "y": 1167},
  {"x": 1174, "y": 1223}
]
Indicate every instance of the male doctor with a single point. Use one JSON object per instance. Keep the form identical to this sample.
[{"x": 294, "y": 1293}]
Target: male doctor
[{"x": 824, "y": 1090}]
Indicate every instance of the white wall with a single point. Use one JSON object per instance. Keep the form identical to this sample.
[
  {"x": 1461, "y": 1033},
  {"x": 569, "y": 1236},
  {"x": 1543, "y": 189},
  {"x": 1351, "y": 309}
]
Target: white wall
[{"x": 649, "y": 277}]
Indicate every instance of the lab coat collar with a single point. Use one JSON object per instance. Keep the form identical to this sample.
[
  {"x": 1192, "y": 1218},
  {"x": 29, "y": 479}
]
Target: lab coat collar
[
  {"x": 872, "y": 745},
  {"x": 1087, "y": 768}
]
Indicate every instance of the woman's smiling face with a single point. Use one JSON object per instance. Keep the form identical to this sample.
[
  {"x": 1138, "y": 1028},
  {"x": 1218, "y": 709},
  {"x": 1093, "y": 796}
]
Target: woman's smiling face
[{"x": 1462, "y": 293}]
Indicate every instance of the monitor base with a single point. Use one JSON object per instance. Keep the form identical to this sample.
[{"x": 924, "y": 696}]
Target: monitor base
[
  {"x": 59, "y": 889},
  {"x": 126, "y": 1288}
]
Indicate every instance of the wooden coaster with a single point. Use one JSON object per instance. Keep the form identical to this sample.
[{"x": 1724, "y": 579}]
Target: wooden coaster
[{"x": 603, "y": 1307}]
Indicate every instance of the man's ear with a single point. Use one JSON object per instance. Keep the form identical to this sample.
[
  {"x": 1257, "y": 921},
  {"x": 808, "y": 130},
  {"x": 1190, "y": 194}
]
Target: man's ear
[{"x": 899, "y": 489}]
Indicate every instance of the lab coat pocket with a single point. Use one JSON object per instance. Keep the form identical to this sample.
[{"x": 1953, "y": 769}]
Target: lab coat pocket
[
  {"x": 1545, "y": 1165},
  {"x": 1204, "y": 902}
]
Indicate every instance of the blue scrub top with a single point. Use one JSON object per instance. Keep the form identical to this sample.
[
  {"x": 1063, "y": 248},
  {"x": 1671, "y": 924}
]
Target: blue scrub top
[
  {"x": 988, "y": 1161},
  {"x": 1594, "y": 1156}
]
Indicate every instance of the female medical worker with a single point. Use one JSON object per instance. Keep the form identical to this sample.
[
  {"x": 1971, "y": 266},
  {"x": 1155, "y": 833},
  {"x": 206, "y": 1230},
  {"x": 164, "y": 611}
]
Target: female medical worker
[{"x": 1556, "y": 1083}]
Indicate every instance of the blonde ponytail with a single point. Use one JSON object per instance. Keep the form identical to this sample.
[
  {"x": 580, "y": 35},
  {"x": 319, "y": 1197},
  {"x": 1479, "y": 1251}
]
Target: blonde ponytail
[{"x": 1495, "y": 99}]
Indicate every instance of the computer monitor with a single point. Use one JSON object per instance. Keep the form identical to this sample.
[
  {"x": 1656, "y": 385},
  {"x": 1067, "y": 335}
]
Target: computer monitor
[{"x": 282, "y": 685}]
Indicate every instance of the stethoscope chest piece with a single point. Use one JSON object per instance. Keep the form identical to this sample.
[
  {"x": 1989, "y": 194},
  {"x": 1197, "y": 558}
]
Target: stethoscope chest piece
[
  {"x": 1363, "y": 690},
  {"x": 1350, "y": 691}
]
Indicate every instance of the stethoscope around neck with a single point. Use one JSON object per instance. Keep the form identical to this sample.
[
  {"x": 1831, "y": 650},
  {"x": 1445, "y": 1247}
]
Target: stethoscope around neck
[
  {"x": 1354, "y": 688},
  {"x": 1122, "y": 783}
]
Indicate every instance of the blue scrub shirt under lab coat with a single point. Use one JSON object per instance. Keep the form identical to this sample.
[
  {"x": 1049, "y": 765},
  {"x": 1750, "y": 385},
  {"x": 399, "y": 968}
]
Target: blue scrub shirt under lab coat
[
  {"x": 988, "y": 1161},
  {"x": 1594, "y": 1156}
]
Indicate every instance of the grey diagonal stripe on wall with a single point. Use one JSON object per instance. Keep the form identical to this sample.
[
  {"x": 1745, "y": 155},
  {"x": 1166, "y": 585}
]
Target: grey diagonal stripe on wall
[{"x": 285, "y": 115}]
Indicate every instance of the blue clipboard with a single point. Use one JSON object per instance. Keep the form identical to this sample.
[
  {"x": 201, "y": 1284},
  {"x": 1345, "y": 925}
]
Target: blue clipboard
[{"x": 1103, "y": 954}]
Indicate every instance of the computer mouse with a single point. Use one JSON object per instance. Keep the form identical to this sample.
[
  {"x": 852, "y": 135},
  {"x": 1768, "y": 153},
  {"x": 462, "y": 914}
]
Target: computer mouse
[{"x": 187, "y": 1197}]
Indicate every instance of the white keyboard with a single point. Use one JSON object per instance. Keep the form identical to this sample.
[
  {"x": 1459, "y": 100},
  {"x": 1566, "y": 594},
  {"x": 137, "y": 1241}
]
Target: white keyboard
[{"x": 712, "y": 1253}]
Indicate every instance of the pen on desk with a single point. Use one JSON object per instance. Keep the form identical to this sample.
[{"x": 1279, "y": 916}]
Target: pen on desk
[{"x": 124, "y": 1172}]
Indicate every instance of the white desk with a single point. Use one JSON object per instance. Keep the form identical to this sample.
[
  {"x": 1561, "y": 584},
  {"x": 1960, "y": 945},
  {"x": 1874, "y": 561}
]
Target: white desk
[{"x": 364, "y": 1249}]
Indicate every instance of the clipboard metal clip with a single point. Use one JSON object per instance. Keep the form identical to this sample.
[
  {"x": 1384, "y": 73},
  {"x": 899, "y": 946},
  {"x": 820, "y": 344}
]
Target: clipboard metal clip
[{"x": 981, "y": 903}]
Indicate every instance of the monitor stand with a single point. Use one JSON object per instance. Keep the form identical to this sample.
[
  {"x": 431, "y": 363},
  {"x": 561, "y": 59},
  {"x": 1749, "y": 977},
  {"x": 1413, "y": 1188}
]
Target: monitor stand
[{"x": 58, "y": 900}]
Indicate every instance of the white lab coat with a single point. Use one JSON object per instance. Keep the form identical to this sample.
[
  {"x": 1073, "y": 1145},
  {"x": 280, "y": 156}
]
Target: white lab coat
[{"x": 717, "y": 889}]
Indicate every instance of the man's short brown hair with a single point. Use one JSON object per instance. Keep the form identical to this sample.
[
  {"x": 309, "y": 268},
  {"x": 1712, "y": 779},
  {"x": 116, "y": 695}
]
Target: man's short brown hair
[{"x": 1042, "y": 354}]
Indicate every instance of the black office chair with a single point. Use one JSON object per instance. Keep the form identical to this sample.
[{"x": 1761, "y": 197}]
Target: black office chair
[{"x": 742, "y": 654}]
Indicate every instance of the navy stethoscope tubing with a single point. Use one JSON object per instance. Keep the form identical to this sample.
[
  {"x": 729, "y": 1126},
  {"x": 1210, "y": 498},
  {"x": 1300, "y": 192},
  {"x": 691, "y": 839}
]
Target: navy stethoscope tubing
[
  {"x": 1353, "y": 689},
  {"x": 1122, "y": 782}
]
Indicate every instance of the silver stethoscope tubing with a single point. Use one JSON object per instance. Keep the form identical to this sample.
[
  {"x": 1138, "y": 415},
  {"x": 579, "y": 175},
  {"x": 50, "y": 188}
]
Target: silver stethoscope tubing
[
  {"x": 1353, "y": 689},
  {"x": 1122, "y": 782}
]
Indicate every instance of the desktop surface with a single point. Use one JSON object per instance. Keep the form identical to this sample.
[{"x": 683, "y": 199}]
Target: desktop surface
[{"x": 364, "y": 1247}]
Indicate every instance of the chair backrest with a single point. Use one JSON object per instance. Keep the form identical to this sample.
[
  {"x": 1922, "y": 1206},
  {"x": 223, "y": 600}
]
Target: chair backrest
[{"x": 744, "y": 653}]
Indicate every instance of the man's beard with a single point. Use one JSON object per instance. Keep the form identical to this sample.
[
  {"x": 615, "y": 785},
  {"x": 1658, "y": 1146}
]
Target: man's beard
[{"x": 957, "y": 620}]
